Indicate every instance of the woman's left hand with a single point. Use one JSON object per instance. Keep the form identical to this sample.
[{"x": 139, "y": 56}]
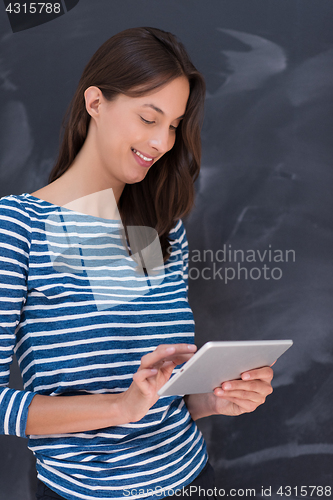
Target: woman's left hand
[
  {"x": 234, "y": 397},
  {"x": 244, "y": 396}
]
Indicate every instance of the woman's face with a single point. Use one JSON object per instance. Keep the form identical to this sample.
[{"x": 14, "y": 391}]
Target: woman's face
[{"x": 130, "y": 134}]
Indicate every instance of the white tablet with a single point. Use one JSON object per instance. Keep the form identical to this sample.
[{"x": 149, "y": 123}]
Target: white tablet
[{"x": 219, "y": 361}]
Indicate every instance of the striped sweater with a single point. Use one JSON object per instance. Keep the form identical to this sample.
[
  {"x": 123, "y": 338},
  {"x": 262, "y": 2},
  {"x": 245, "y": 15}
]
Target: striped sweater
[{"x": 79, "y": 317}]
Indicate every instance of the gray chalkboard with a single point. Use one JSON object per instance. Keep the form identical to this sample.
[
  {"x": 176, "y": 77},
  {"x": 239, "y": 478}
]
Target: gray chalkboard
[{"x": 260, "y": 236}]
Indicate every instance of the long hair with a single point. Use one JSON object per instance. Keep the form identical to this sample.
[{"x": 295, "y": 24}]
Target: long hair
[{"x": 135, "y": 62}]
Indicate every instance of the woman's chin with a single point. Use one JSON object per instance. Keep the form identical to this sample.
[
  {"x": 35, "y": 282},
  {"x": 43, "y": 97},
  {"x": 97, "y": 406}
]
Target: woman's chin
[{"x": 136, "y": 177}]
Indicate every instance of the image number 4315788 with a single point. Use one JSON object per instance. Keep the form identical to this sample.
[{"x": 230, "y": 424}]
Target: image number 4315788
[{"x": 25, "y": 15}]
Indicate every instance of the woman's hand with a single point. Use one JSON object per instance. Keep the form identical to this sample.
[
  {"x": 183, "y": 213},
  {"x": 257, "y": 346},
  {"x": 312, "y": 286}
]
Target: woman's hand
[
  {"x": 234, "y": 397},
  {"x": 154, "y": 371},
  {"x": 81, "y": 413},
  {"x": 244, "y": 396}
]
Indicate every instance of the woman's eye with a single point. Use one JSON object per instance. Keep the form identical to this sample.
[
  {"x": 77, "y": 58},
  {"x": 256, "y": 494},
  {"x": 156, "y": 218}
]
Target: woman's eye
[{"x": 146, "y": 121}]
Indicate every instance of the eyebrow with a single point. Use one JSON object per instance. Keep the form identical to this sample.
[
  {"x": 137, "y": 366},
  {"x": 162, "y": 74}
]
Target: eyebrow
[{"x": 159, "y": 110}]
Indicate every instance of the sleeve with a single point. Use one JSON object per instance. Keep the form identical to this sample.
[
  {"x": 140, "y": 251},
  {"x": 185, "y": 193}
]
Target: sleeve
[
  {"x": 178, "y": 233},
  {"x": 15, "y": 240}
]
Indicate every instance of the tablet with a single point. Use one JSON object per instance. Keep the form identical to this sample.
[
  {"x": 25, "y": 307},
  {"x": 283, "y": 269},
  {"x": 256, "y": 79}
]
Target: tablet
[{"x": 219, "y": 361}]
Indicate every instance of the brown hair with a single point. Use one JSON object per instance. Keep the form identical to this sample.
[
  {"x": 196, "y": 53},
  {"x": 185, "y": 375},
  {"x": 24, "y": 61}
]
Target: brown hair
[{"x": 134, "y": 62}]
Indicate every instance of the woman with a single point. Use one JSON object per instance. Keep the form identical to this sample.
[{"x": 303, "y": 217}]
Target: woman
[{"x": 94, "y": 338}]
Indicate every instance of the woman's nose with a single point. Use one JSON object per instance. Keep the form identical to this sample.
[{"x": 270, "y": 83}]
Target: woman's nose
[{"x": 161, "y": 140}]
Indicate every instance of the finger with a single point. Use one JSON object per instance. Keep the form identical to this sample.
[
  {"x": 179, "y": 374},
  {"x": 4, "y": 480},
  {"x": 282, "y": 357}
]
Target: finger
[
  {"x": 265, "y": 373},
  {"x": 243, "y": 405},
  {"x": 142, "y": 375},
  {"x": 241, "y": 396},
  {"x": 168, "y": 364},
  {"x": 178, "y": 353},
  {"x": 172, "y": 360},
  {"x": 258, "y": 386}
]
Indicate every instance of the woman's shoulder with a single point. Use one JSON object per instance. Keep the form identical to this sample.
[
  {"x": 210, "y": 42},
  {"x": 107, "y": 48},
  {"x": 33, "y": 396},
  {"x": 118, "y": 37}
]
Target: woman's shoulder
[
  {"x": 15, "y": 222},
  {"x": 13, "y": 203},
  {"x": 24, "y": 208},
  {"x": 25, "y": 203}
]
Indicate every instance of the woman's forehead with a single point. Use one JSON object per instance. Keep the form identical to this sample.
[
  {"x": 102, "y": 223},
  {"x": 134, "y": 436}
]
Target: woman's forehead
[{"x": 169, "y": 98}]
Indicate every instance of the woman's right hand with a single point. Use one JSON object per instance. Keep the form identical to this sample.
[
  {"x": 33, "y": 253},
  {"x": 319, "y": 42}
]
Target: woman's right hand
[
  {"x": 81, "y": 413},
  {"x": 154, "y": 371}
]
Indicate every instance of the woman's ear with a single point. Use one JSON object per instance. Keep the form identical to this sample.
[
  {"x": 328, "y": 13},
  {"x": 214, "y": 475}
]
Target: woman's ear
[{"x": 93, "y": 98}]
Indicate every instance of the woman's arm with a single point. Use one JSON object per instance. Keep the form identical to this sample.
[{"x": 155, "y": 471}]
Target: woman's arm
[
  {"x": 62, "y": 414},
  {"x": 15, "y": 242},
  {"x": 234, "y": 397}
]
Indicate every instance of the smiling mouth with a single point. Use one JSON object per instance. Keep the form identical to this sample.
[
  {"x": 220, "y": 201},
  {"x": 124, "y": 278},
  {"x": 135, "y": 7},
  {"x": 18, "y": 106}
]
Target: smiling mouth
[{"x": 145, "y": 158}]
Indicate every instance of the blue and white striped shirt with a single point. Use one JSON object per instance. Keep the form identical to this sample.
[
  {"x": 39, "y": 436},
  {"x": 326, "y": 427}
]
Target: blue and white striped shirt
[{"x": 79, "y": 317}]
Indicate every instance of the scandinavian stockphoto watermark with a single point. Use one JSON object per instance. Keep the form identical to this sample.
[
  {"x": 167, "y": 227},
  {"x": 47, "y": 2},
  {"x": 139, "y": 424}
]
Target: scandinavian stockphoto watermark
[
  {"x": 118, "y": 264},
  {"x": 229, "y": 263}
]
